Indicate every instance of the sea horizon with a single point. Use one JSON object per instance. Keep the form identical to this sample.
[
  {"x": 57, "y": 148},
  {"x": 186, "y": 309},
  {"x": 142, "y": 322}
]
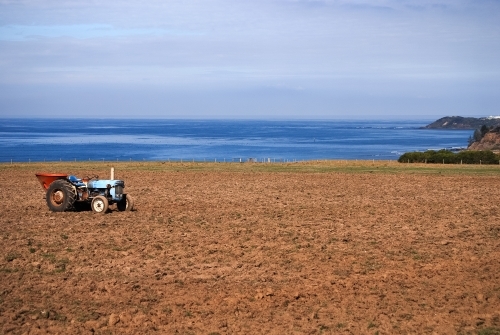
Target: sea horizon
[{"x": 163, "y": 139}]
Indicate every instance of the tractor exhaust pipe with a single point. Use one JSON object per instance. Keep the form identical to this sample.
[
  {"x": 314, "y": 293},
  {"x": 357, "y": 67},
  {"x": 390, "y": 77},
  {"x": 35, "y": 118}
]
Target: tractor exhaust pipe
[{"x": 112, "y": 173}]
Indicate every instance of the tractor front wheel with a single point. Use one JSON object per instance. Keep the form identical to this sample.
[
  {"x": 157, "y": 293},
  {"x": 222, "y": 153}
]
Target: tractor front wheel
[
  {"x": 100, "y": 204},
  {"x": 60, "y": 196},
  {"x": 126, "y": 204}
]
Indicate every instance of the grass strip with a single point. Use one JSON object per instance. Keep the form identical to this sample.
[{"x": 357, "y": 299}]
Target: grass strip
[{"x": 324, "y": 166}]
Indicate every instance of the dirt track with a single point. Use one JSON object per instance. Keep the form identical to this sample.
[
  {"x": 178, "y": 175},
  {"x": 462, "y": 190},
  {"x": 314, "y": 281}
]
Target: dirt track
[{"x": 256, "y": 252}]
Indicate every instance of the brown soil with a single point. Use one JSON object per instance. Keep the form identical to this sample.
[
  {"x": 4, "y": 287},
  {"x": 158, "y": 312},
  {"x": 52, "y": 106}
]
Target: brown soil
[{"x": 256, "y": 252}]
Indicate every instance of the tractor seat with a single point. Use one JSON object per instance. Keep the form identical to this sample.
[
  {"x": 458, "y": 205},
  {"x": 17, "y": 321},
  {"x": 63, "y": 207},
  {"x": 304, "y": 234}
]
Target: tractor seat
[{"x": 76, "y": 181}]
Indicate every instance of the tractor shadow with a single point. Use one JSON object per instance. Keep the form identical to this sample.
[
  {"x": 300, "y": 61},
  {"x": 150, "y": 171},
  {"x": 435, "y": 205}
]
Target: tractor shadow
[
  {"x": 81, "y": 207},
  {"x": 86, "y": 207}
]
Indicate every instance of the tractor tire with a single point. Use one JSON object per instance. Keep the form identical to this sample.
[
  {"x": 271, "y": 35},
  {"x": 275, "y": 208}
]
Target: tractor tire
[
  {"x": 100, "y": 204},
  {"x": 126, "y": 204},
  {"x": 60, "y": 196}
]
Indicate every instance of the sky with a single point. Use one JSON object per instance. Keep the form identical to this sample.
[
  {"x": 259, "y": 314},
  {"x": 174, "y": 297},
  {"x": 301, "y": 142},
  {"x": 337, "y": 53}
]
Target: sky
[{"x": 250, "y": 59}]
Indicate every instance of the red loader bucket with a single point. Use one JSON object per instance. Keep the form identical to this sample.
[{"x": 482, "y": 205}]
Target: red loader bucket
[{"x": 47, "y": 178}]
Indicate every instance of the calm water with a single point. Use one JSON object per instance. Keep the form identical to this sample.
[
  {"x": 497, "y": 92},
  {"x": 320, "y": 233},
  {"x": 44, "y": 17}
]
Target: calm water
[{"x": 81, "y": 139}]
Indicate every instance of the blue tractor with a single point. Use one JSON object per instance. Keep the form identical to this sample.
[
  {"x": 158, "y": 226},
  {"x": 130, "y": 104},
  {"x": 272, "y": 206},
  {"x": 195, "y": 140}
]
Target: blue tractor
[{"x": 64, "y": 193}]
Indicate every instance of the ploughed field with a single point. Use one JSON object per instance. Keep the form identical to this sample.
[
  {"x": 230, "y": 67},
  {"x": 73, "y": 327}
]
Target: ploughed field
[{"x": 304, "y": 248}]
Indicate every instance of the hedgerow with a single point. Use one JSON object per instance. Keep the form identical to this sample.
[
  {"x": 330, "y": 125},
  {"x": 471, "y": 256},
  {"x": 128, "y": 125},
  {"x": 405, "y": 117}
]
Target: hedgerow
[{"x": 448, "y": 157}]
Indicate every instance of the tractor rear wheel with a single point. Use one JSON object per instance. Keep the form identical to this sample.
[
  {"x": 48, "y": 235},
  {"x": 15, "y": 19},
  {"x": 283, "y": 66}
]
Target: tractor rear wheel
[
  {"x": 126, "y": 204},
  {"x": 60, "y": 196},
  {"x": 100, "y": 204}
]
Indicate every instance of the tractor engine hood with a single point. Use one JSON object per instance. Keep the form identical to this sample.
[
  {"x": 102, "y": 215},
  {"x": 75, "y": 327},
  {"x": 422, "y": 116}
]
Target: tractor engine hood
[
  {"x": 114, "y": 188},
  {"x": 103, "y": 183}
]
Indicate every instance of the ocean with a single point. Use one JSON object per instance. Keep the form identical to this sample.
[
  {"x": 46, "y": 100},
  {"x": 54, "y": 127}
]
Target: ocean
[{"x": 38, "y": 140}]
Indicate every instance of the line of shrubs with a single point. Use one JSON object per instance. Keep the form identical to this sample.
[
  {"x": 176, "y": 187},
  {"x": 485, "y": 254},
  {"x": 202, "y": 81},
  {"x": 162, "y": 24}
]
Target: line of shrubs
[{"x": 448, "y": 157}]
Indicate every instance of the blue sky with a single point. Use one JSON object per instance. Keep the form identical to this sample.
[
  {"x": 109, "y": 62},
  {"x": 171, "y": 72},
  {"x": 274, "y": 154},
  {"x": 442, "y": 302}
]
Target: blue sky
[{"x": 266, "y": 59}]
